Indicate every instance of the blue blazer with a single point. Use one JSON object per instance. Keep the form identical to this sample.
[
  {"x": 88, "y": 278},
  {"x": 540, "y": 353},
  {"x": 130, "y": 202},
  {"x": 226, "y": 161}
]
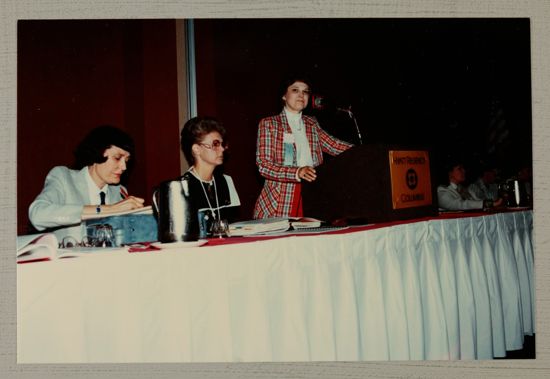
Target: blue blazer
[{"x": 59, "y": 206}]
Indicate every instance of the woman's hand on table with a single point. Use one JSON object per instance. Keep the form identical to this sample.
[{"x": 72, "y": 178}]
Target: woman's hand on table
[
  {"x": 131, "y": 202},
  {"x": 498, "y": 202},
  {"x": 127, "y": 204}
]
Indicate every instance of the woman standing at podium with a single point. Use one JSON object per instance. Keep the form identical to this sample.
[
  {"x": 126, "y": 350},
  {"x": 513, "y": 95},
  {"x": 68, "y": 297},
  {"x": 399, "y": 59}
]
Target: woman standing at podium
[{"x": 289, "y": 147}]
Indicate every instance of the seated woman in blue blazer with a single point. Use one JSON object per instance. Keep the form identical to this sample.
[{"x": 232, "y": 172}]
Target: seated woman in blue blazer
[{"x": 94, "y": 187}]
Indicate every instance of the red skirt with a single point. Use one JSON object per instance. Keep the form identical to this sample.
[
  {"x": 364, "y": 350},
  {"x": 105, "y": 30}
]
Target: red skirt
[{"x": 296, "y": 207}]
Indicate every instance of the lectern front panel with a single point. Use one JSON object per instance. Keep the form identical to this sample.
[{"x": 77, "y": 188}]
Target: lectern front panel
[{"x": 357, "y": 185}]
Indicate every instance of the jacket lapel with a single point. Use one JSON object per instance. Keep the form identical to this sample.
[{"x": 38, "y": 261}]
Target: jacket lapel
[
  {"x": 312, "y": 139},
  {"x": 82, "y": 186}
]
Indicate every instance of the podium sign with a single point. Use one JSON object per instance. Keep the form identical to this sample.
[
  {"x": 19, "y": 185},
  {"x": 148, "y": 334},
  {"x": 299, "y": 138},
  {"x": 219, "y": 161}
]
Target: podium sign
[{"x": 410, "y": 179}]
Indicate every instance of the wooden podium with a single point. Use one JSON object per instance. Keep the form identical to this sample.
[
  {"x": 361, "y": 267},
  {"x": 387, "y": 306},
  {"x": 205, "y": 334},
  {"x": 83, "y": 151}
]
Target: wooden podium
[{"x": 371, "y": 184}]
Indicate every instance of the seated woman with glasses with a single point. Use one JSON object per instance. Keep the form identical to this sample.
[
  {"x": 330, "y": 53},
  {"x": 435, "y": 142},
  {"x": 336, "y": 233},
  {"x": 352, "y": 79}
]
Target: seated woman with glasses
[
  {"x": 94, "y": 187},
  {"x": 203, "y": 144}
]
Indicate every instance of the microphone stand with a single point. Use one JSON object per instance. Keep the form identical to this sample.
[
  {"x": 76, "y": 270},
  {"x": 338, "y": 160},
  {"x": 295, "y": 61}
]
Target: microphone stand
[{"x": 350, "y": 114}]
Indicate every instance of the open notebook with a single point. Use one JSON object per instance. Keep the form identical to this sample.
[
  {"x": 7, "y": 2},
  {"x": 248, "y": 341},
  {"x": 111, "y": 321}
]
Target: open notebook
[
  {"x": 45, "y": 247},
  {"x": 271, "y": 225}
]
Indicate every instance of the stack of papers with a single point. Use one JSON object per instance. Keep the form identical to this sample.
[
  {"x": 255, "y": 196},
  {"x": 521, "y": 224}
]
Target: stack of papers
[
  {"x": 259, "y": 226},
  {"x": 35, "y": 247},
  {"x": 147, "y": 210},
  {"x": 304, "y": 222}
]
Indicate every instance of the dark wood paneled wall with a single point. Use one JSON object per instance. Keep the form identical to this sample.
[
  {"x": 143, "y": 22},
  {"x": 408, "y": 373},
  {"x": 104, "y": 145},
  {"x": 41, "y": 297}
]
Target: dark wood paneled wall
[
  {"x": 457, "y": 86},
  {"x": 74, "y": 75}
]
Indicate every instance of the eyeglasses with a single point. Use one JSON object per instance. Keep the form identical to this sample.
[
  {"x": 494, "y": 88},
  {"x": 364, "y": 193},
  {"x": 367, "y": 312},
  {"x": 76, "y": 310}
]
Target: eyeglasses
[{"x": 216, "y": 144}]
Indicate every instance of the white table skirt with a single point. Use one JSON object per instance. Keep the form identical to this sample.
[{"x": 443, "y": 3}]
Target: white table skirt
[{"x": 441, "y": 289}]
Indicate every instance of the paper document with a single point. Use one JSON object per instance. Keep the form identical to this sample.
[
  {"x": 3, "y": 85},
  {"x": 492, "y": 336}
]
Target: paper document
[
  {"x": 271, "y": 225},
  {"x": 145, "y": 210},
  {"x": 259, "y": 226}
]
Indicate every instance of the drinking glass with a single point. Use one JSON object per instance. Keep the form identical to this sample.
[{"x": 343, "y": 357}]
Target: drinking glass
[
  {"x": 104, "y": 236},
  {"x": 88, "y": 241},
  {"x": 91, "y": 233},
  {"x": 220, "y": 228}
]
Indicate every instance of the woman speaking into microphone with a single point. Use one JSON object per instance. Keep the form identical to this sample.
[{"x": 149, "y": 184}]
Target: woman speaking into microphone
[{"x": 289, "y": 147}]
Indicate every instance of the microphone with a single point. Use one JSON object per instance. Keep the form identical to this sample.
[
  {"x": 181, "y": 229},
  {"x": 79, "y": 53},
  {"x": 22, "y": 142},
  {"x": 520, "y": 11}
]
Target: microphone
[
  {"x": 350, "y": 114},
  {"x": 318, "y": 101},
  {"x": 346, "y": 110}
]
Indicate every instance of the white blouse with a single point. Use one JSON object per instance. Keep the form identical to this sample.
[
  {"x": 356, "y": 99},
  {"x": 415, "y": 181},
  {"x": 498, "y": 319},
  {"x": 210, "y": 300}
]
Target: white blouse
[{"x": 303, "y": 151}]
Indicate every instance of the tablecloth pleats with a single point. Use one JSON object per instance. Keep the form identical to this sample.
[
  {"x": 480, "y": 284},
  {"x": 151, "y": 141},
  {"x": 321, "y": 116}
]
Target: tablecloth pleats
[{"x": 454, "y": 288}]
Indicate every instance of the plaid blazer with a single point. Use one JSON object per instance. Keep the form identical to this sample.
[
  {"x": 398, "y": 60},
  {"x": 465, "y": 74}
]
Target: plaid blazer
[{"x": 276, "y": 161}]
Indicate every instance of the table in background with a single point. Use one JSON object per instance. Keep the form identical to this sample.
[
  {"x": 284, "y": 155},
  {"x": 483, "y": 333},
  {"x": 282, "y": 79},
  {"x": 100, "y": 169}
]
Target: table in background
[{"x": 443, "y": 288}]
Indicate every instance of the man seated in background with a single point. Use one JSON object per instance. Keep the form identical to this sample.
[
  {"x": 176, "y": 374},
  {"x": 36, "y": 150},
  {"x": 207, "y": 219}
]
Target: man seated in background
[
  {"x": 453, "y": 196},
  {"x": 485, "y": 187}
]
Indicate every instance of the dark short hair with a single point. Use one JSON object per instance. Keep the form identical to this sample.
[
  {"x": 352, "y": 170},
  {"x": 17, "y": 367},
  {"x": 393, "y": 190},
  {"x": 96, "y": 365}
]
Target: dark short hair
[
  {"x": 446, "y": 164},
  {"x": 194, "y": 131},
  {"x": 487, "y": 165},
  {"x": 450, "y": 165},
  {"x": 291, "y": 79},
  {"x": 93, "y": 146}
]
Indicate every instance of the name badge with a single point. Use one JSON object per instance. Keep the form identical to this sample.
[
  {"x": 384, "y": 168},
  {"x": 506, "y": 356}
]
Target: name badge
[{"x": 288, "y": 138}]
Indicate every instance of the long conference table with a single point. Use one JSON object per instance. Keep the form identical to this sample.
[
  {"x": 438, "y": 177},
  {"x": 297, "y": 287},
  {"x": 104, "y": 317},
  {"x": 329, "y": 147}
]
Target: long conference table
[{"x": 445, "y": 288}]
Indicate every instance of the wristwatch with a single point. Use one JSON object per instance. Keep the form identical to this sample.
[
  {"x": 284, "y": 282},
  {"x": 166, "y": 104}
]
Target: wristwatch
[{"x": 98, "y": 208}]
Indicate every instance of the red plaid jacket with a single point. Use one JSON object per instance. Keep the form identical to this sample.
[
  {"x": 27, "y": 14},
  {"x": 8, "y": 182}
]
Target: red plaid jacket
[{"x": 276, "y": 161}]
